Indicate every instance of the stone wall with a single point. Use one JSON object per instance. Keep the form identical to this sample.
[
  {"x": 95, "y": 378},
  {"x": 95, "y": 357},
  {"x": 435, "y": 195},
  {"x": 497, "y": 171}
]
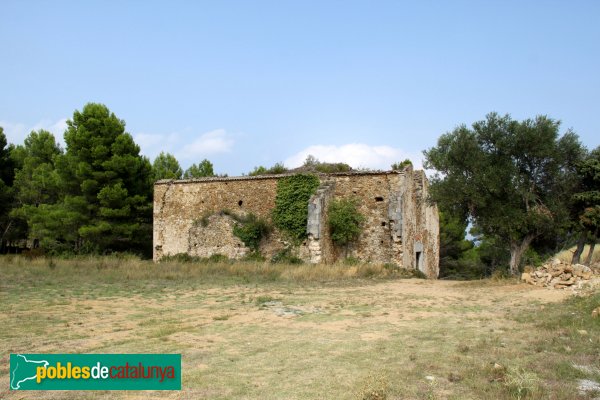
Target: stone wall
[
  {"x": 180, "y": 205},
  {"x": 400, "y": 226}
]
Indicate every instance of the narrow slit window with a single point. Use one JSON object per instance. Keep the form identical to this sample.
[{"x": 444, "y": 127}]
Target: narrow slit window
[{"x": 378, "y": 198}]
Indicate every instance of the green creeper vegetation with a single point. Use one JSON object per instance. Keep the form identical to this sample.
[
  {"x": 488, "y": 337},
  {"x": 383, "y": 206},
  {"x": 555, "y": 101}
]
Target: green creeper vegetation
[
  {"x": 202, "y": 170},
  {"x": 344, "y": 221},
  {"x": 511, "y": 179},
  {"x": 166, "y": 166},
  {"x": 291, "y": 204}
]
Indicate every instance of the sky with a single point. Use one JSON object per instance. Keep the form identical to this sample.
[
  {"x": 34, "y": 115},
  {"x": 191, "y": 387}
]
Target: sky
[{"x": 248, "y": 83}]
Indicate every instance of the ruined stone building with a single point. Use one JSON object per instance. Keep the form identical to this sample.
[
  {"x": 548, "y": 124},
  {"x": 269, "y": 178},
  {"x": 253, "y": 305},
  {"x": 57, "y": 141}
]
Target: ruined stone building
[{"x": 400, "y": 226}]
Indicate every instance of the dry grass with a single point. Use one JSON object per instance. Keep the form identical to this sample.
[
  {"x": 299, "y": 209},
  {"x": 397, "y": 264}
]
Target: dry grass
[
  {"x": 263, "y": 331},
  {"x": 567, "y": 255},
  {"x": 132, "y": 268}
]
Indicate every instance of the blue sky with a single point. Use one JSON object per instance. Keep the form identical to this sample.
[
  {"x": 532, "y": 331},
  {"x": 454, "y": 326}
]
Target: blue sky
[{"x": 244, "y": 83}]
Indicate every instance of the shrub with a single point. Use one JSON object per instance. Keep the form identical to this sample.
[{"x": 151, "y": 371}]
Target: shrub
[
  {"x": 278, "y": 168},
  {"x": 254, "y": 256},
  {"x": 399, "y": 166},
  {"x": 291, "y": 204},
  {"x": 344, "y": 221},
  {"x": 330, "y": 168},
  {"x": 285, "y": 256},
  {"x": 375, "y": 387},
  {"x": 251, "y": 229}
]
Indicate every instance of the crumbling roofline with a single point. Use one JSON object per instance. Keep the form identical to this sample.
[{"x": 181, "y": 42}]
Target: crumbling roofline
[{"x": 278, "y": 176}]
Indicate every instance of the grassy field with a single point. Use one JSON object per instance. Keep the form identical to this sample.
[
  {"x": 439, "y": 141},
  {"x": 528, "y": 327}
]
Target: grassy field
[{"x": 260, "y": 331}]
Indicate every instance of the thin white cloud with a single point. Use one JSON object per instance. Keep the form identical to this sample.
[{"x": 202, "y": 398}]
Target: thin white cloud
[
  {"x": 357, "y": 155},
  {"x": 205, "y": 145},
  {"x": 152, "y": 144},
  {"x": 17, "y": 132},
  {"x": 214, "y": 142}
]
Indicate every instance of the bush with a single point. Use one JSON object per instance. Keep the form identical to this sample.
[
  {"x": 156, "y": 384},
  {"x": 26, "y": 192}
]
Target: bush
[
  {"x": 531, "y": 257},
  {"x": 254, "y": 256},
  {"x": 399, "y": 166},
  {"x": 276, "y": 169},
  {"x": 251, "y": 229},
  {"x": 331, "y": 168},
  {"x": 344, "y": 221},
  {"x": 285, "y": 256}
]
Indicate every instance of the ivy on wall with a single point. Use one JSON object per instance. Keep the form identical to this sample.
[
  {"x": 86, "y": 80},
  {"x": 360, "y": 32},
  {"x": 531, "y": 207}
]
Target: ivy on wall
[{"x": 291, "y": 204}]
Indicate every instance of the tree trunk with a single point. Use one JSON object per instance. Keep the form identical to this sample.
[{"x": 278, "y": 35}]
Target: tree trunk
[
  {"x": 588, "y": 259},
  {"x": 516, "y": 252},
  {"x": 579, "y": 249}
]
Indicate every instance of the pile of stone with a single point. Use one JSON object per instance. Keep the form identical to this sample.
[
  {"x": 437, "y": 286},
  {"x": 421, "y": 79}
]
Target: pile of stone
[{"x": 558, "y": 275}]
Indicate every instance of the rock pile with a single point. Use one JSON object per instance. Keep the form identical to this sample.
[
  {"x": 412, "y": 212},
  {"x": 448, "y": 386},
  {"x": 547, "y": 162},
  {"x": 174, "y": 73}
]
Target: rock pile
[{"x": 558, "y": 275}]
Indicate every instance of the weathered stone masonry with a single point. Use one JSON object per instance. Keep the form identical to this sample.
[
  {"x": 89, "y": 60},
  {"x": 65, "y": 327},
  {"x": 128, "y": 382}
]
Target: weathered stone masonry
[{"x": 400, "y": 226}]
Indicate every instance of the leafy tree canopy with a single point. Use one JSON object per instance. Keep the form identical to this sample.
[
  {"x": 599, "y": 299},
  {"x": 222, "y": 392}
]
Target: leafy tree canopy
[
  {"x": 202, "y": 170},
  {"x": 36, "y": 181},
  {"x": 106, "y": 188},
  {"x": 166, "y": 166},
  {"x": 512, "y": 178},
  {"x": 277, "y": 168}
]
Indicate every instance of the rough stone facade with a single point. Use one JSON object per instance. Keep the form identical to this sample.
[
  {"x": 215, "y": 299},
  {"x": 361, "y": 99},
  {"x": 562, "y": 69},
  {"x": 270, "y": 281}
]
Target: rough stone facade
[{"x": 400, "y": 226}]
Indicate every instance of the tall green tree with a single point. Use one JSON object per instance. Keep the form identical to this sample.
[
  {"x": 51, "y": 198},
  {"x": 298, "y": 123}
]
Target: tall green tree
[
  {"x": 166, "y": 166},
  {"x": 37, "y": 183},
  {"x": 454, "y": 247},
  {"x": 512, "y": 178},
  {"x": 36, "y": 180},
  {"x": 202, "y": 170},
  {"x": 6, "y": 189},
  {"x": 106, "y": 186}
]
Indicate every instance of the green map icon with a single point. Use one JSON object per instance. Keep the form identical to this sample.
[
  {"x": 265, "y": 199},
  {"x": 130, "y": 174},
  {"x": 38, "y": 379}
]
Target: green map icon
[{"x": 23, "y": 371}]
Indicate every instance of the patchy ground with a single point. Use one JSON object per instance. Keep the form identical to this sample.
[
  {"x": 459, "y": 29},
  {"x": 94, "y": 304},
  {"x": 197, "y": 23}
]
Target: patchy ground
[{"x": 408, "y": 338}]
